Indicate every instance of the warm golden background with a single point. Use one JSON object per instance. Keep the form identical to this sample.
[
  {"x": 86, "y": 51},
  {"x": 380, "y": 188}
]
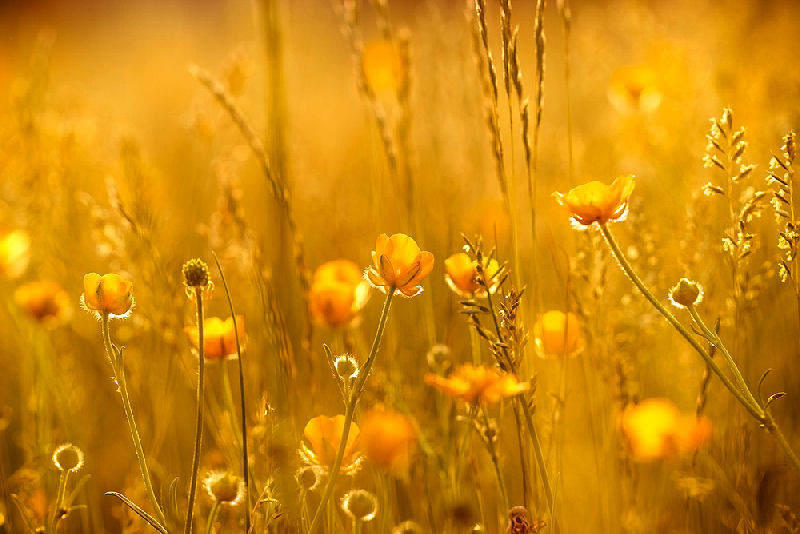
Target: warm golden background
[{"x": 115, "y": 158}]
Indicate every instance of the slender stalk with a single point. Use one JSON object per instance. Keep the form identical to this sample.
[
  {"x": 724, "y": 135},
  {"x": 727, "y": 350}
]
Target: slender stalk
[
  {"x": 198, "y": 438},
  {"x": 355, "y": 393},
  {"x": 212, "y": 517},
  {"x": 745, "y": 398},
  {"x": 245, "y": 460},
  {"x": 118, "y": 367},
  {"x": 489, "y": 441}
]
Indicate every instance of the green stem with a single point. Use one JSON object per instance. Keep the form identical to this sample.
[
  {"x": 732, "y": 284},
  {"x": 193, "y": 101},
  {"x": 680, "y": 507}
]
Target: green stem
[
  {"x": 212, "y": 517},
  {"x": 489, "y": 441},
  {"x": 198, "y": 438},
  {"x": 745, "y": 398},
  {"x": 245, "y": 460},
  {"x": 355, "y": 393},
  {"x": 118, "y": 367}
]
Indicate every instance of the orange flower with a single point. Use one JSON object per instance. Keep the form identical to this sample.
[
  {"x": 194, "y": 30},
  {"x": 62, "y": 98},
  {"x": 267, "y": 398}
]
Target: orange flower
[
  {"x": 324, "y": 434},
  {"x": 387, "y": 439},
  {"x": 462, "y": 273},
  {"x": 656, "y": 429},
  {"x": 598, "y": 202},
  {"x": 634, "y": 88},
  {"x": 399, "y": 265},
  {"x": 475, "y": 384},
  {"x": 110, "y": 294},
  {"x": 219, "y": 337},
  {"x": 383, "y": 67},
  {"x": 558, "y": 334},
  {"x": 338, "y": 293},
  {"x": 45, "y": 302},
  {"x": 14, "y": 253}
]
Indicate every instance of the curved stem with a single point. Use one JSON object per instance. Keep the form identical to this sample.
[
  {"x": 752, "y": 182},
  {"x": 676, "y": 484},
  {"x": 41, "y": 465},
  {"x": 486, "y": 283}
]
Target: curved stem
[
  {"x": 245, "y": 459},
  {"x": 212, "y": 517},
  {"x": 743, "y": 395},
  {"x": 118, "y": 367},
  {"x": 355, "y": 393},
  {"x": 198, "y": 438},
  {"x": 755, "y": 411}
]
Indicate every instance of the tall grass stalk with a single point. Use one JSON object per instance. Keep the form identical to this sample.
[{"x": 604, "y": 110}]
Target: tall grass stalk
[{"x": 198, "y": 436}]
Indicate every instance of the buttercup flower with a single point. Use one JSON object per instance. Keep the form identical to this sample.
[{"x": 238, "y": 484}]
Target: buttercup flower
[
  {"x": 387, "y": 439},
  {"x": 634, "y": 88},
  {"x": 44, "y": 302},
  {"x": 109, "y": 293},
  {"x": 462, "y": 273},
  {"x": 324, "y": 434},
  {"x": 337, "y": 293},
  {"x": 14, "y": 253},
  {"x": 475, "y": 384},
  {"x": 656, "y": 429},
  {"x": 558, "y": 334},
  {"x": 598, "y": 202},
  {"x": 399, "y": 265},
  {"x": 219, "y": 337}
]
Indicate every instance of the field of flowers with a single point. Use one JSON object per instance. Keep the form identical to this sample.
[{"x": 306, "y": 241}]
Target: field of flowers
[{"x": 399, "y": 266}]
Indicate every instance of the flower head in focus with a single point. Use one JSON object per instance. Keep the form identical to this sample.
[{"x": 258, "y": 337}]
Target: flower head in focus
[
  {"x": 598, "y": 202},
  {"x": 462, "y": 275},
  {"x": 558, "y": 334},
  {"x": 477, "y": 384},
  {"x": 107, "y": 294},
  {"x": 399, "y": 265},
  {"x": 219, "y": 337},
  {"x": 324, "y": 434},
  {"x": 338, "y": 293}
]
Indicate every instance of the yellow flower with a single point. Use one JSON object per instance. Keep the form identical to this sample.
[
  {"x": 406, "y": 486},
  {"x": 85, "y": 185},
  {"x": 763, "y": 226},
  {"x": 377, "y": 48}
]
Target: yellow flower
[
  {"x": 324, "y": 434},
  {"x": 219, "y": 337},
  {"x": 634, "y": 88},
  {"x": 462, "y": 273},
  {"x": 399, "y": 265},
  {"x": 14, "y": 253},
  {"x": 476, "y": 384},
  {"x": 656, "y": 429},
  {"x": 558, "y": 334},
  {"x": 109, "y": 293},
  {"x": 337, "y": 293},
  {"x": 598, "y": 202},
  {"x": 383, "y": 67},
  {"x": 387, "y": 439},
  {"x": 45, "y": 302}
]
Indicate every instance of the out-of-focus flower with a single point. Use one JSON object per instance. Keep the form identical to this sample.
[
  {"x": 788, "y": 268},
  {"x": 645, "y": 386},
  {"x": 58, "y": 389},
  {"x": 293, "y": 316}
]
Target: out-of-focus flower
[
  {"x": 219, "y": 337},
  {"x": 109, "y": 293},
  {"x": 324, "y": 434},
  {"x": 44, "y": 302},
  {"x": 634, "y": 88},
  {"x": 387, "y": 439},
  {"x": 462, "y": 275},
  {"x": 360, "y": 505},
  {"x": 685, "y": 293},
  {"x": 598, "y": 202},
  {"x": 656, "y": 429},
  {"x": 399, "y": 265},
  {"x": 224, "y": 487},
  {"x": 476, "y": 384},
  {"x": 14, "y": 253},
  {"x": 383, "y": 67},
  {"x": 558, "y": 334},
  {"x": 337, "y": 293}
]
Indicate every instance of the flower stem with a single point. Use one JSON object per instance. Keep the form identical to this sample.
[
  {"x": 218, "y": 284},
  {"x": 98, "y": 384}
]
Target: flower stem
[
  {"x": 492, "y": 450},
  {"x": 245, "y": 461},
  {"x": 118, "y": 367},
  {"x": 740, "y": 389},
  {"x": 212, "y": 517},
  {"x": 355, "y": 393},
  {"x": 198, "y": 438}
]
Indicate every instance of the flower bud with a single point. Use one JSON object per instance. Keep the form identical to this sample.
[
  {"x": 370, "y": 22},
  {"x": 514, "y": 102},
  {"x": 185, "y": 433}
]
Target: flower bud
[{"x": 685, "y": 293}]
